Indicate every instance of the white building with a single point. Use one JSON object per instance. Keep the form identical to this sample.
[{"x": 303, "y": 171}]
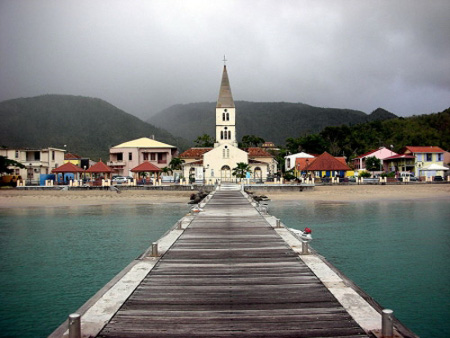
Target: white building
[
  {"x": 36, "y": 161},
  {"x": 217, "y": 163},
  {"x": 289, "y": 160}
]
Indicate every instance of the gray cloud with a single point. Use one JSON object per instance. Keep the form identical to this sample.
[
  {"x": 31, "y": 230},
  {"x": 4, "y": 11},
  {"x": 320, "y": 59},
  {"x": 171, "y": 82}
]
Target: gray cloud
[{"x": 143, "y": 56}]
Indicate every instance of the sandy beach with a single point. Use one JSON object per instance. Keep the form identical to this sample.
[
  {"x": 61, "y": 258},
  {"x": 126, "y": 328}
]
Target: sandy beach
[
  {"x": 357, "y": 193},
  {"x": 11, "y": 198}
]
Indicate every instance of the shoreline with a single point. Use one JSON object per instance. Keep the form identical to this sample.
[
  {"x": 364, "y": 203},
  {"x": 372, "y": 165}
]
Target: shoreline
[
  {"x": 11, "y": 198},
  {"x": 367, "y": 193}
]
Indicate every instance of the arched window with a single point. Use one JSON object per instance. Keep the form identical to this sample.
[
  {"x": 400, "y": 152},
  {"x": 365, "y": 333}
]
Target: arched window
[
  {"x": 228, "y": 116},
  {"x": 223, "y": 116},
  {"x": 221, "y": 135},
  {"x": 225, "y": 134},
  {"x": 229, "y": 134},
  {"x": 257, "y": 172}
]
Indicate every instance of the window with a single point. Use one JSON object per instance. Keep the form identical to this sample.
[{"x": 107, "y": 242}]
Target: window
[
  {"x": 37, "y": 155},
  {"x": 119, "y": 157},
  {"x": 223, "y": 116},
  {"x": 228, "y": 116},
  {"x": 17, "y": 154},
  {"x": 439, "y": 157},
  {"x": 145, "y": 156},
  {"x": 221, "y": 135},
  {"x": 152, "y": 157},
  {"x": 53, "y": 155},
  {"x": 130, "y": 156},
  {"x": 429, "y": 157},
  {"x": 229, "y": 134}
]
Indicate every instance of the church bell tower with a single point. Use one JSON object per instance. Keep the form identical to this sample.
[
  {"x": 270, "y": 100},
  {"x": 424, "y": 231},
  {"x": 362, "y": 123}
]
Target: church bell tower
[{"x": 225, "y": 114}]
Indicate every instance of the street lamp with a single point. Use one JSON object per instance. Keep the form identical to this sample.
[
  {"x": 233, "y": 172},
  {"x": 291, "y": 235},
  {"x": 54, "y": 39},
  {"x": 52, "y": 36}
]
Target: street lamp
[
  {"x": 204, "y": 177},
  {"x": 30, "y": 173}
]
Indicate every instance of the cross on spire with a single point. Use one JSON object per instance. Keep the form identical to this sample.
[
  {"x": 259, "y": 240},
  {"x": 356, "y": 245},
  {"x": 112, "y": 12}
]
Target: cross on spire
[{"x": 224, "y": 60}]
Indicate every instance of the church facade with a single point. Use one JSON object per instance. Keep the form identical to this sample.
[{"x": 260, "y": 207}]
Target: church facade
[{"x": 214, "y": 164}]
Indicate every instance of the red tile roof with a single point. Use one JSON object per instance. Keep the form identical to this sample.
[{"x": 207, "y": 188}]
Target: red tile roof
[
  {"x": 67, "y": 168},
  {"x": 145, "y": 167},
  {"x": 99, "y": 167},
  {"x": 70, "y": 156},
  {"x": 257, "y": 152},
  {"x": 302, "y": 163},
  {"x": 426, "y": 149},
  {"x": 327, "y": 162},
  {"x": 399, "y": 156},
  {"x": 195, "y": 153}
]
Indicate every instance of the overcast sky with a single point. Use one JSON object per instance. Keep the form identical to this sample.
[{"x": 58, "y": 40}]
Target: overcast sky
[{"x": 145, "y": 55}]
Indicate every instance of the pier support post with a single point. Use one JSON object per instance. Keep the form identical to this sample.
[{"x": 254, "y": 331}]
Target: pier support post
[
  {"x": 278, "y": 223},
  {"x": 387, "y": 325},
  {"x": 155, "y": 249},
  {"x": 74, "y": 325},
  {"x": 305, "y": 248}
]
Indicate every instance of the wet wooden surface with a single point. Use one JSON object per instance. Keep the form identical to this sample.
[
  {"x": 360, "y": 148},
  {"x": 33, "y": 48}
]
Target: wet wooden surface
[{"x": 231, "y": 275}]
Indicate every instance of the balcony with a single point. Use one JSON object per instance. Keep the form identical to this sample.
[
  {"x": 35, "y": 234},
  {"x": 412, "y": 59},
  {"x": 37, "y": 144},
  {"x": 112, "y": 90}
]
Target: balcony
[{"x": 116, "y": 163}]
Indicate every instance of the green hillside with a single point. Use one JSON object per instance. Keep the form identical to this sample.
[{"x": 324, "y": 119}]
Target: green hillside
[
  {"x": 273, "y": 121},
  {"x": 422, "y": 130},
  {"x": 88, "y": 126}
]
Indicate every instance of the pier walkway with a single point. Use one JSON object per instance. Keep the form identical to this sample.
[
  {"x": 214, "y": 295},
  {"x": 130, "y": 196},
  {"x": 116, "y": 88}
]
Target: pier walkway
[{"x": 230, "y": 274}]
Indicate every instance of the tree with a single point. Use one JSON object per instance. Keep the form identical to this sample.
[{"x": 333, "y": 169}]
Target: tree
[
  {"x": 175, "y": 163},
  {"x": 252, "y": 140},
  {"x": 373, "y": 163},
  {"x": 204, "y": 141},
  {"x": 166, "y": 170},
  {"x": 6, "y": 162},
  {"x": 241, "y": 170}
]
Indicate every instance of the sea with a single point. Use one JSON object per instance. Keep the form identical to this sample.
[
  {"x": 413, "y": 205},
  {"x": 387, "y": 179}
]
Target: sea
[{"x": 53, "y": 259}]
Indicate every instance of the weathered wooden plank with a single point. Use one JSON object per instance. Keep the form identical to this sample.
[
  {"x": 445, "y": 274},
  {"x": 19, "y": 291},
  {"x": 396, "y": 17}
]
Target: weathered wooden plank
[{"x": 230, "y": 275}]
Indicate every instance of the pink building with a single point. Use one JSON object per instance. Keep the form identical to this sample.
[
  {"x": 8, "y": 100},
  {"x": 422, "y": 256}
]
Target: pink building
[
  {"x": 381, "y": 153},
  {"x": 128, "y": 155}
]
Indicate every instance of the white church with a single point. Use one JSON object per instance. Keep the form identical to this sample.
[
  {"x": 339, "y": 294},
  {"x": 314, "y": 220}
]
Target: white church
[{"x": 217, "y": 164}]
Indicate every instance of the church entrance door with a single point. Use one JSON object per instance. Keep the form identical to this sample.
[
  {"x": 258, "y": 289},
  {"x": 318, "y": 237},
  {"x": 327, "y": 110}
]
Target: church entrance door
[{"x": 225, "y": 173}]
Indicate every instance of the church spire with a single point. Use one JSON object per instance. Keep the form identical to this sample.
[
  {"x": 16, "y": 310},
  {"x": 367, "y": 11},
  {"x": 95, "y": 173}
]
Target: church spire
[{"x": 225, "y": 99}]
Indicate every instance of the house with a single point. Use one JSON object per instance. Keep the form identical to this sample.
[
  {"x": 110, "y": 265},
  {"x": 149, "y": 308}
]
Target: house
[
  {"x": 425, "y": 156},
  {"x": 382, "y": 153},
  {"x": 290, "y": 160},
  {"x": 83, "y": 163},
  {"x": 211, "y": 164},
  {"x": 36, "y": 161},
  {"x": 128, "y": 155},
  {"x": 324, "y": 165}
]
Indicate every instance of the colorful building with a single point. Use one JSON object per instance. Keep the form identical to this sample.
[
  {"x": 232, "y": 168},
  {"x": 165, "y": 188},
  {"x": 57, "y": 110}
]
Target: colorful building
[
  {"x": 359, "y": 163},
  {"x": 324, "y": 165},
  {"x": 128, "y": 155},
  {"x": 425, "y": 157}
]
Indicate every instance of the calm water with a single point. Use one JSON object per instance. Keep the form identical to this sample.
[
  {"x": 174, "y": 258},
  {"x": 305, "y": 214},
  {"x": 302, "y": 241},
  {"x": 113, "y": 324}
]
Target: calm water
[
  {"x": 399, "y": 253},
  {"x": 52, "y": 260}
]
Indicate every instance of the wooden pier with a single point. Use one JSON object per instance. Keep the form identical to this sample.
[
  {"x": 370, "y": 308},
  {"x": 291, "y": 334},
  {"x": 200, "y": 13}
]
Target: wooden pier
[
  {"x": 230, "y": 271},
  {"x": 231, "y": 275}
]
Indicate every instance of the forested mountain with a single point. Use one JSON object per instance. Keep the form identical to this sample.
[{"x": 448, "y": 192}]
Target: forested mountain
[
  {"x": 88, "y": 126},
  {"x": 273, "y": 121},
  {"x": 422, "y": 130}
]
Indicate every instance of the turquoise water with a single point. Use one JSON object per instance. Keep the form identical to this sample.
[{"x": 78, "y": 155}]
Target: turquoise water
[
  {"x": 52, "y": 260},
  {"x": 398, "y": 252}
]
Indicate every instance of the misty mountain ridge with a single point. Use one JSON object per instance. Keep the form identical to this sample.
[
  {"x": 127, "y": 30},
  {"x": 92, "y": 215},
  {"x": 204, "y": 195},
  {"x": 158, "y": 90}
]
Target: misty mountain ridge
[
  {"x": 273, "y": 121},
  {"x": 88, "y": 126}
]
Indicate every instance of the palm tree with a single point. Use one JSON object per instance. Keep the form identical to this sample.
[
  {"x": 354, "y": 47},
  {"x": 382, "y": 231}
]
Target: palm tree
[
  {"x": 175, "y": 163},
  {"x": 241, "y": 170},
  {"x": 166, "y": 170}
]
